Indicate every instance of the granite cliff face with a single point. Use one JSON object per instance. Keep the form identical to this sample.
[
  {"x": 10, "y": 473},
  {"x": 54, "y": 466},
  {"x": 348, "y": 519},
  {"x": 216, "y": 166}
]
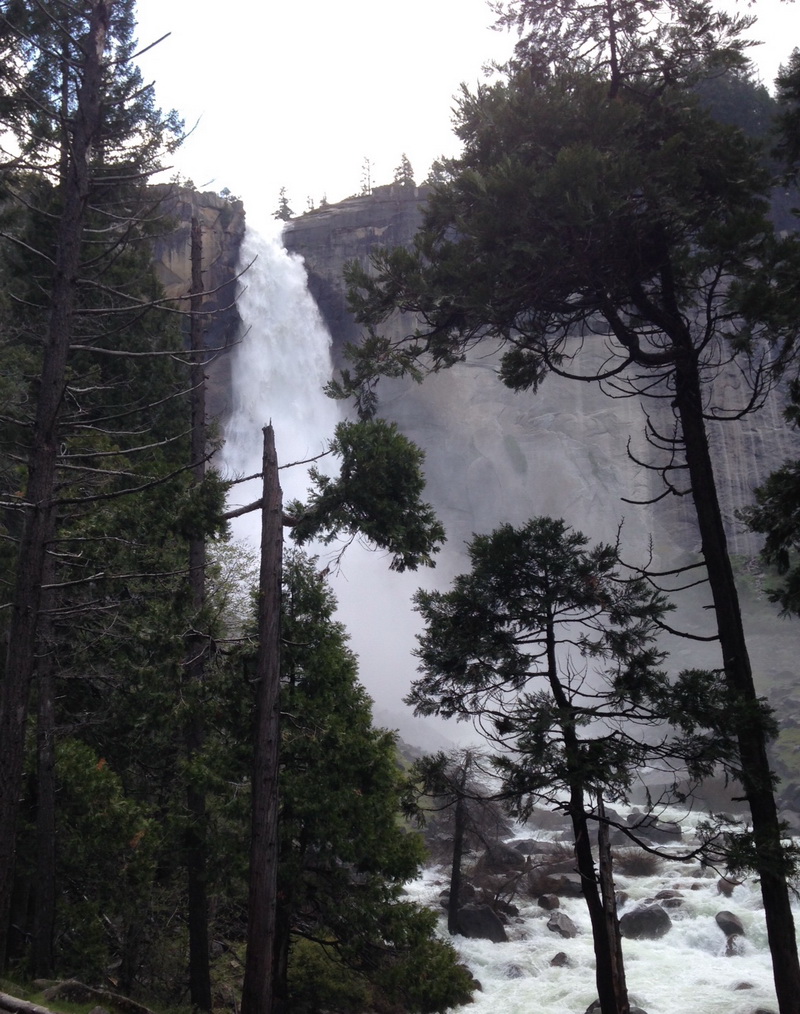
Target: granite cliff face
[
  {"x": 493, "y": 454},
  {"x": 331, "y": 236},
  {"x": 222, "y": 227},
  {"x": 570, "y": 451}
]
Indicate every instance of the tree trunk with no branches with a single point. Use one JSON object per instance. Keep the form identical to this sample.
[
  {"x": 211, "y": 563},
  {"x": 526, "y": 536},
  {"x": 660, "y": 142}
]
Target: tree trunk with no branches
[
  {"x": 756, "y": 774},
  {"x": 257, "y": 992}
]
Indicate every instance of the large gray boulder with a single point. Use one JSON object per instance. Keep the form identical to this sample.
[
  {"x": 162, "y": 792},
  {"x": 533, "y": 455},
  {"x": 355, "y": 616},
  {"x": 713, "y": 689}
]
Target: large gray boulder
[
  {"x": 564, "y": 885},
  {"x": 646, "y": 922},
  {"x": 560, "y": 922},
  {"x": 500, "y": 858},
  {"x": 730, "y": 924},
  {"x": 479, "y": 922}
]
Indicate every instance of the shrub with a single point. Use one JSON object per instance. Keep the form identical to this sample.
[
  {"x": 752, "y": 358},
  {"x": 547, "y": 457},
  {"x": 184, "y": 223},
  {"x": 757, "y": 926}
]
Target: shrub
[{"x": 636, "y": 862}]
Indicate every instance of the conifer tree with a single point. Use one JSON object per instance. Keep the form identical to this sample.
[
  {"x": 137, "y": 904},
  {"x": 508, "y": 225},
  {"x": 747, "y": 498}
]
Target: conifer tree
[
  {"x": 71, "y": 91},
  {"x": 600, "y": 226},
  {"x": 551, "y": 651}
]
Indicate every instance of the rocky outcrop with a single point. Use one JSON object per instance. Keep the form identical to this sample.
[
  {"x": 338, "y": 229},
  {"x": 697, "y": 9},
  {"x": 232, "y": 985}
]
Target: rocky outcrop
[
  {"x": 222, "y": 225},
  {"x": 331, "y": 236}
]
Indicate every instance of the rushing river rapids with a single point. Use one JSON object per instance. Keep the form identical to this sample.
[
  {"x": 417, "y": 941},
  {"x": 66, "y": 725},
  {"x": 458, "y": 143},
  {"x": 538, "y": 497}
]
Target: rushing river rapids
[{"x": 689, "y": 970}]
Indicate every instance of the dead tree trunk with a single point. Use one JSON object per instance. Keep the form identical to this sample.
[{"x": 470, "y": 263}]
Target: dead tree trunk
[{"x": 257, "y": 992}]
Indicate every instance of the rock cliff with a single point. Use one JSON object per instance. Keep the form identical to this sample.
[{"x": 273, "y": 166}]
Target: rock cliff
[
  {"x": 329, "y": 237},
  {"x": 570, "y": 451},
  {"x": 222, "y": 225}
]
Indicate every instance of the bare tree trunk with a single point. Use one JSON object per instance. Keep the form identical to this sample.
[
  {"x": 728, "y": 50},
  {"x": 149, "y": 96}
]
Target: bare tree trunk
[
  {"x": 257, "y": 993},
  {"x": 609, "y": 900},
  {"x": 45, "y": 883},
  {"x": 20, "y": 654},
  {"x": 195, "y": 665},
  {"x": 459, "y": 826},
  {"x": 756, "y": 774}
]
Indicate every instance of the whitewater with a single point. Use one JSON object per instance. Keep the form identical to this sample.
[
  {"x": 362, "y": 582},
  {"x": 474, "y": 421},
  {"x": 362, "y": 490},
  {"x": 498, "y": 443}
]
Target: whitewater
[{"x": 278, "y": 373}]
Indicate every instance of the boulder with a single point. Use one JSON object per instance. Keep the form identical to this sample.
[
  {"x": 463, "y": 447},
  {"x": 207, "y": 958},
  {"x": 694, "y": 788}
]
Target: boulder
[
  {"x": 730, "y": 924},
  {"x": 534, "y": 847},
  {"x": 565, "y": 885},
  {"x": 479, "y": 922},
  {"x": 669, "y": 898},
  {"x": 726, "y": 886},
  {"x": 560, "y": 960},
  {"x": 466, "y": 894},
  {"x": 656, "y": 831},
  {"x": 500, "y": 858},
  {"x": 646, "y": 922},
  {"x": 560, "y": 922},
  {"x": 504, "y": 907},
  {"x": 548, "y": 902}
]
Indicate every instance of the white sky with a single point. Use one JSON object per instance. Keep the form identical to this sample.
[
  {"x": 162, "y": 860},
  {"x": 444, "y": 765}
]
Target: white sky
[{"x": 297, "y": 94}]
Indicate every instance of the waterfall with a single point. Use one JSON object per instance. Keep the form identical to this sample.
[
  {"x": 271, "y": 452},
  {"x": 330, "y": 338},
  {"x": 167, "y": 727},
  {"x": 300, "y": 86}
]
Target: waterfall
[{"x": 278, "y": 372}]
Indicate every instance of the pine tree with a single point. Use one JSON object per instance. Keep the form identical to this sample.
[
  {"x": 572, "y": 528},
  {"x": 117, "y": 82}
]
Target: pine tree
[
  {"x": 71, "y": 89},
  {"x": 404, "y": 174},
  {"x": 551, "y": 652},
  {"x": 283, "y": 212},
  {"x": 595, "y": 205}
]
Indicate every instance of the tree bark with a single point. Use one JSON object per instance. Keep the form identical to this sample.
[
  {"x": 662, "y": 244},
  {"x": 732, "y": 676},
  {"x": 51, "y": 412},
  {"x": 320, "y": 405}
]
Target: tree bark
[
  {"x": 20, "y": 652},
  {"x": 609, "y": 970},
  {"x": 195, "y": 665},
  {"x": 45, "y": 885},
  {"x": 756, "y": 775},
  {"x": 257, "y": 992},
  {"x": 459, "y": 823},
  {"x": 609, "y": 901}
]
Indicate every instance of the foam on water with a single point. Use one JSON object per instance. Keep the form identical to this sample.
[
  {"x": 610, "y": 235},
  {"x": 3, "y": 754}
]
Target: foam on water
[{"x": 688, "y": 970}]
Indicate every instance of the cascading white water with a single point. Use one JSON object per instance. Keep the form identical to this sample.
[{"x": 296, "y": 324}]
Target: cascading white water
[{"x": 279, "y": 370}]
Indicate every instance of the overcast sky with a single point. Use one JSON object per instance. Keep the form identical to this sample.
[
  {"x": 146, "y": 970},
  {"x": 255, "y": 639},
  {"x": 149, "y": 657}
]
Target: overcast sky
[{"x": 298, "y": 94}]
